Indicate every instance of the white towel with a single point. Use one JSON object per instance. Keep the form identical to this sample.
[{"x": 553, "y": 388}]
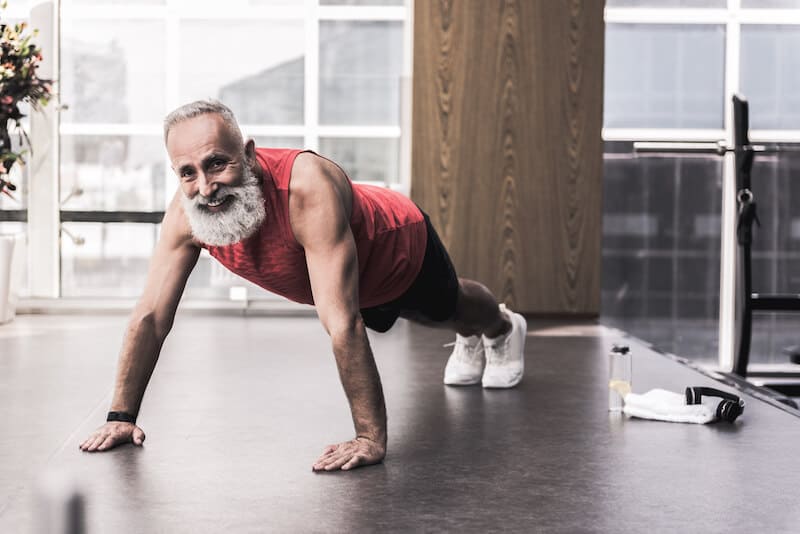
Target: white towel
[{"x": 662, "y": 405}]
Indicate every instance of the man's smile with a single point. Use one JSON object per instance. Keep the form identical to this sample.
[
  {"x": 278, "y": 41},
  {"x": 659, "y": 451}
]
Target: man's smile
[{"x": 218, "y": 204}]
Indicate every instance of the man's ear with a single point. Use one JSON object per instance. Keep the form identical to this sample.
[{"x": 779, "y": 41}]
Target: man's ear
[
  {"x": 250, "y": 152},
  {"x": 250, "y": 157}
]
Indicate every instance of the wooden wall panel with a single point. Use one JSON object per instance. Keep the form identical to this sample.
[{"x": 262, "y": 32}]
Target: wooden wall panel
[{"x": 507, "y": 148}]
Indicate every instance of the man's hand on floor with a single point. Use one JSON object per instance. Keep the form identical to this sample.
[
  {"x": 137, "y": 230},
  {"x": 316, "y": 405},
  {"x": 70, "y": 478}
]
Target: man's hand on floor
[
  {"x": 354, "y": 453},
  {"x": 112, "y": 434}
]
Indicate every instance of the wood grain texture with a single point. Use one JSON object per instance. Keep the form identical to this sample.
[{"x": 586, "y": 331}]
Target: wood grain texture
[{"x": 507, "y": 147}]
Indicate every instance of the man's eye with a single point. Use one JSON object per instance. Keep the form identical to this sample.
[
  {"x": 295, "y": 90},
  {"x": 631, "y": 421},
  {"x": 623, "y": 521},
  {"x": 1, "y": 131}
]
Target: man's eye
[{"x": 217, "y": 163}]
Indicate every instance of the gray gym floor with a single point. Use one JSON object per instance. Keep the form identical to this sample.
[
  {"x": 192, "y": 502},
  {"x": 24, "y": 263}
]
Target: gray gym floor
[{"x": 240, "y": 407}]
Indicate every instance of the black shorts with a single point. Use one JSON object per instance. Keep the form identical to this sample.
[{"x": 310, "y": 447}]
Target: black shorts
[{"x": 431, "y": 297}]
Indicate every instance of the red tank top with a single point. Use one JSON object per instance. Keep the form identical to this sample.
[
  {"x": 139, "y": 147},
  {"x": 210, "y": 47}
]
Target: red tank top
[{"x": 388, "y": 228}]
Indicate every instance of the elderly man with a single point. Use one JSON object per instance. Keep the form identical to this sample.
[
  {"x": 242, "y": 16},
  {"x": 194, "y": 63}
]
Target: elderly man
[{"x": 293, "y": 223}]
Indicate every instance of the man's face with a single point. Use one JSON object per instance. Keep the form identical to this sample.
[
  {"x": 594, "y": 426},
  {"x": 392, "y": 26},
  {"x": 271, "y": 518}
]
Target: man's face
[{"x": 221, "y": 193}]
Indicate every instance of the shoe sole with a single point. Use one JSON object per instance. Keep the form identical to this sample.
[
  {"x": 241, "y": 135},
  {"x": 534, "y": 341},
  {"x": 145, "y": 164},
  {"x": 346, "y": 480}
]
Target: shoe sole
[
  {"x": 503, "y": 386},
  {"x": 467, "y": 382}
]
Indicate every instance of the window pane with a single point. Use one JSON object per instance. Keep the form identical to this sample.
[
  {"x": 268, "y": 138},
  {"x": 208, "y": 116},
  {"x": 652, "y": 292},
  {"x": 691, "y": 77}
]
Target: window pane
[
  {"x": 108, "y": 260},
  {"x": 667, "y": 3},
  {"x": 210, "y": 280},
  {"x": 776, "y": 243},
  {"x": 360, "y": 65},
  {"x": 364, "y": 159},
  {"x": 764, "y": 4},
  {"x": 361, "y": 2},
  {"x": 113, "y": 173},
  {"x": 237, "y": 4},
  {"x": 111, "y": 73},
  {"x": 664, "y": 76},
  {"x": 279, "y": 142},
  {"x": 111, "y": 2},
  {"x": 776, "y": 251},
  {"x": 771, "y": 75},
  {"x": 661, "y": 250},
  {"x": 272, "y": 2},
  {"x": 111, "y": 260},
  {"x": 263, "y": 84}
]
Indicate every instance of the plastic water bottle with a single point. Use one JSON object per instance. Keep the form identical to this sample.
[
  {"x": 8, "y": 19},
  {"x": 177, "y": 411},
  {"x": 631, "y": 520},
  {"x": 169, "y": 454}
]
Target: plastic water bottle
[{"x": 619, "y": 377}]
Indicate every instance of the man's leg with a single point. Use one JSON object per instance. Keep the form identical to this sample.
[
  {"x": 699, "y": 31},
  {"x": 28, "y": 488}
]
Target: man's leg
[
  {"x": 490, "y": 340},
  {"x": 477, "y": 313}
]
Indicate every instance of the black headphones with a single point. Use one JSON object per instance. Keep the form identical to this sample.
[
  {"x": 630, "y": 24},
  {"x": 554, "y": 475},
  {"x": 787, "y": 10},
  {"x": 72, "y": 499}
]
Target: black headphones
[{"x": 728, "y": 409}]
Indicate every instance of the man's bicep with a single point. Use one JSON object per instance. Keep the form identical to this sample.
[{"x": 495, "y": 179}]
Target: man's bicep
[{"x": 320, "y": 218}]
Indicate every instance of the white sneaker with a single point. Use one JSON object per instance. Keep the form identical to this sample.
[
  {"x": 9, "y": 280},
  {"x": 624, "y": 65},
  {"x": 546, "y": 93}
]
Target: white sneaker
[
  {"x": 465, "y": 366},
  {"x": 505, "y": 355}
]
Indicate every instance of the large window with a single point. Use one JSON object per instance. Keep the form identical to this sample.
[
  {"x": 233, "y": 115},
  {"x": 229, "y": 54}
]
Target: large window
[
  {"x": 320, "y": 74},
  {"x": 671, "y": 68}
]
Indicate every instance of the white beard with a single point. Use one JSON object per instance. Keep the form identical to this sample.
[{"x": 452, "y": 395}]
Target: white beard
[{"x": 241, "y": 218}]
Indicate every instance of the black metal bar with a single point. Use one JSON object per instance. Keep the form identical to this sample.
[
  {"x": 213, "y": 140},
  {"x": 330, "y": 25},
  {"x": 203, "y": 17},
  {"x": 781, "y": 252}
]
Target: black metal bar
[
  {"x": 746, "y": 322},
  {"x": 741, "y": 121},
  {"x": 689, "y": 147},
  {"x": 744, "y": 162},
  {"x": 13, "y": 215},
  {"x": 153, "y": 217},
  {"x": 785, "y": 302}
]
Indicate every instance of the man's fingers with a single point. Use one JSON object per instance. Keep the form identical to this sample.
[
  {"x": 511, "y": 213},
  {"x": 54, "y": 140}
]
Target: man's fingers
[
  {"x": 338, "y": 462},
  {"x": 355, "y": 461},
  {"x": 99, "y": 441},
  {"x": 107, "y": 443},
  {"x": 332, "y": 458},
  {"x": 329, "y": 452},
  {"x": 323, "y": 462},
  {"x": 95, "y": 442},
  {"x": 348, "y": 455},
  {"x": 112, "y": 434},
  {"x": 86, "y": 442}
]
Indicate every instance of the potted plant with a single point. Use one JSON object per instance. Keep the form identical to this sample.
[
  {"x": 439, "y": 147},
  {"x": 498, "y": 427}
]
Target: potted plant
[{"x": 19, "y": 84}]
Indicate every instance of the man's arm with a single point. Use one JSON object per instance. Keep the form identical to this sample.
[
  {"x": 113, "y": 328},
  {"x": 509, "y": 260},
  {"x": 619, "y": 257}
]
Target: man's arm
[
  {"x": 173, "y": 260},
  {"x": 319, "y": 208}
]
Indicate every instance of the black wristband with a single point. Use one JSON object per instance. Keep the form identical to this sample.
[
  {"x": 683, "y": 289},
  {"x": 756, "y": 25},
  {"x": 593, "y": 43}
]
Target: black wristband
[{"x": 121, "y": 416}]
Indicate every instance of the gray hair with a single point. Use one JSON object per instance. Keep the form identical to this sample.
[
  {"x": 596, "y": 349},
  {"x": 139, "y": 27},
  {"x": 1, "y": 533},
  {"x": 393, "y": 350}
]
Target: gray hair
[{"x": 201, "y": 107}]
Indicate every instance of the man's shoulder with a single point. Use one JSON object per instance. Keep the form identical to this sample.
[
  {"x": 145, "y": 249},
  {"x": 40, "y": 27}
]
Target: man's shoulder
[
  {"x": 277, "y": 162},
  {"x": 176, "y": 224},
  {"x": 309, "y": 168},
  {"x": 318, "y": 187}
]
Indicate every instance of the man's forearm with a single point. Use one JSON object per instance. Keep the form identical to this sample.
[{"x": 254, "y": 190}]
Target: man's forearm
[
  {"x": 361, "y": 382},
  {"x": 140, "y": 350}
]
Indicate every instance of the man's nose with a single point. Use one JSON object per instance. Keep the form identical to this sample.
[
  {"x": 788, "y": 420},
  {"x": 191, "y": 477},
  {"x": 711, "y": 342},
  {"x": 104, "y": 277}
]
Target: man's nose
[{"x": 205, "y": 186}]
